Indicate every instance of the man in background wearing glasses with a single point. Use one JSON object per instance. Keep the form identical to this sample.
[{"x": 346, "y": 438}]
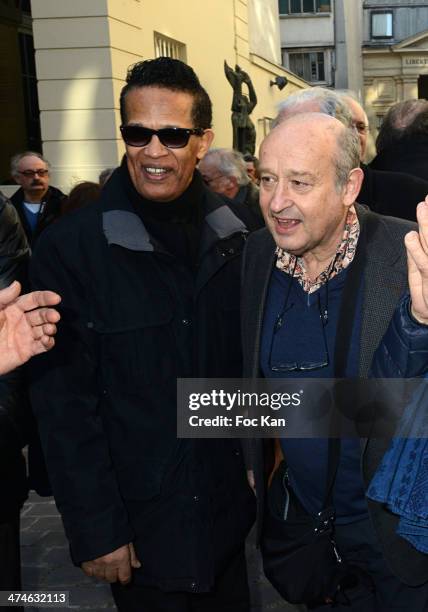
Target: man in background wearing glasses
[
  {"x": 224, "y": 171},
  {"x": 149, "y": 279},
  {"x": 320, "y": 287},
  {"x": 37, "y": 203}
]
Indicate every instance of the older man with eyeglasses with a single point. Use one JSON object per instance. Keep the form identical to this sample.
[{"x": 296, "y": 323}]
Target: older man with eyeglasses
[
  {"x": 37, "y": 203},
  {"x": 149, "y": 278}
]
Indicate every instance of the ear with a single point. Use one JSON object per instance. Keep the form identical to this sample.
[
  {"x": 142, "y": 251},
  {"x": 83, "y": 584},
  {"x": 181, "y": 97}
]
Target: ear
[
  {"x": 205, "y": 143},
  {"x": 353, "y": 186}
]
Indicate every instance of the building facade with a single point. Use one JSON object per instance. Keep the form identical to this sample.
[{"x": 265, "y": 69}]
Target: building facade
[
  {"x": 321, "y": 41},
  {"x": 395, "y": 53},
  {"x": 82, "y": 53}
]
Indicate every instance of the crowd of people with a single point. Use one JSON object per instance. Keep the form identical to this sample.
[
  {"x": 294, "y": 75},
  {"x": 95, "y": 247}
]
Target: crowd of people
[{"x": 189, "y": 261}]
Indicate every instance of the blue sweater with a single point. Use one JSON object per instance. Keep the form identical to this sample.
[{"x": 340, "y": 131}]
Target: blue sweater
[{"x": 301, "y": 339}]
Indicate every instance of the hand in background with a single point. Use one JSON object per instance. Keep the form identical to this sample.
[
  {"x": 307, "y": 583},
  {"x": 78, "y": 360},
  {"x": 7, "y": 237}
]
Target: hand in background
[
  {"x": 27, "y": 325},
  {"x": 417, "y": 261}
]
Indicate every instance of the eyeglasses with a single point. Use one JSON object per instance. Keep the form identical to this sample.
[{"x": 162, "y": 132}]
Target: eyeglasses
[
  {"x": 304, "y": 366},
  {"x": 208, "y": 180},
  {"x": 360, "y": 127},
  {"x": 33, "y": 173},
  {"x": 173, "y": 138}
]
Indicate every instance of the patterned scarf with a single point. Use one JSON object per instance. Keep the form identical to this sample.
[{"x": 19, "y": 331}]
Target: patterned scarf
[{"x": 344, "y": 255}]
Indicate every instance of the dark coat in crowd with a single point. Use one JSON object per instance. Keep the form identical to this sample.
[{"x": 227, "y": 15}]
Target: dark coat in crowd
[
  {"x": 49, "y": 211},
  {"x": 14, "y": 412},
  {"x": 134, "y": 319},
  {"x": 14, "y": 254},
  {"x": 409, "y": 155},
  {"x": 14, "y": 251},
  {"x": 252, "y": 199},
  {"x": 392, "y": 193},
  {"x": 384, "y": 281}
]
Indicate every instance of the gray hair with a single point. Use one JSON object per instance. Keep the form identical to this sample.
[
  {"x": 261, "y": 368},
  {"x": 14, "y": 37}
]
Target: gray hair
[
  {"x": 329, "y": 102},
  {"x": 347, "y": 156},
  {"x": 349, "y": 94},
  {"x": 229, "y": 163},
  {"x": 14, "y": 162}
]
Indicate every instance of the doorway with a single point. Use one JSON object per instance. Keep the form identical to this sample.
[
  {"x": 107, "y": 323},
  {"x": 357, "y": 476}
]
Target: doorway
[{"x": 423, "y": 86}]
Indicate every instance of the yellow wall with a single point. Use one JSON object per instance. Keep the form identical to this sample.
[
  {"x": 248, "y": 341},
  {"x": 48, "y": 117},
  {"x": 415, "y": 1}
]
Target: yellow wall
[
  {"x": 265, "y": 39},
  {"x": 85, "y": 47}
]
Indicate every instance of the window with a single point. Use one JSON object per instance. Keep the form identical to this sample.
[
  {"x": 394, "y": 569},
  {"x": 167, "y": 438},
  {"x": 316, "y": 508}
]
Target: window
[
  {"x": 168, "y": 47},
  {"x": 382, "y": 25},
  {"x": 293, "y": 7},
  {"x": 308, "y": 66}
]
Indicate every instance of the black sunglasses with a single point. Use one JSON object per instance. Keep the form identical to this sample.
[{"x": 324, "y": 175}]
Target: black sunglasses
[{"x": 173, "y": 138}]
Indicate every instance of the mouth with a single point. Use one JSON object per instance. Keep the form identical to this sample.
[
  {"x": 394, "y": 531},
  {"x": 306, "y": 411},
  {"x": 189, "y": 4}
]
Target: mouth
[
  {"x": 156, "y": 173},
  {"x": 286, "y": 226}
]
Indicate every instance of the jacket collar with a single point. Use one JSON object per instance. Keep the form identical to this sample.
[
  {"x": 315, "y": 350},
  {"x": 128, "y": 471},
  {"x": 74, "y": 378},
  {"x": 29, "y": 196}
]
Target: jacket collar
[
  {"x": 123, "y": 227},
  {"x": 380, "y": 253},
  {"x": 18, "y": 197}
]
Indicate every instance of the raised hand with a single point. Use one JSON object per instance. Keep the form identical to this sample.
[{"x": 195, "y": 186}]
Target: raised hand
[
  {"x": 417, "y": 259},
  {"x": 27, "y": 325}
]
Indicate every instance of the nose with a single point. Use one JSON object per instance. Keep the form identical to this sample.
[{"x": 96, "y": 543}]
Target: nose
[
  {"x": 155, "y": 148},
  {"x": 281, "y": 196}
]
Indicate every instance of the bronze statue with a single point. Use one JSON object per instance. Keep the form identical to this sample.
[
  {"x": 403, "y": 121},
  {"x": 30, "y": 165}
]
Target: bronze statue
[{"x": 244, "y": 132}]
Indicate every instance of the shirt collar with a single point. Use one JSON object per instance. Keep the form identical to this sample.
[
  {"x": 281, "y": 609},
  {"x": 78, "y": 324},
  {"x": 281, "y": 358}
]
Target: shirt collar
[{"x": 344, "y": 255}]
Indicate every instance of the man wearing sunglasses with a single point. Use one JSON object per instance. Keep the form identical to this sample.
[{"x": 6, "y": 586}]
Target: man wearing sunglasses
[
  {"x": 37, "y": 203},
  {"x": 149, "y": 279},
  {"x": 320, "y": 288}
]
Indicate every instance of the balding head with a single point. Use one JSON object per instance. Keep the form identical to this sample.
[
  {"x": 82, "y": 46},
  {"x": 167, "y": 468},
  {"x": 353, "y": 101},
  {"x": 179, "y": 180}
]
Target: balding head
[
  {"x": 31, "y": 171},
  {"x": 404, "y": 119},
  {"x": 345, "y": 148}
]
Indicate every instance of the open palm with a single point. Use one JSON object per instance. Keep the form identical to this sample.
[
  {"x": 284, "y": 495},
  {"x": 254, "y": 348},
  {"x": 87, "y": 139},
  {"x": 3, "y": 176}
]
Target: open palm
[
  {"x": 417, "y": 259},
  {"x": 27, "y": 325}
]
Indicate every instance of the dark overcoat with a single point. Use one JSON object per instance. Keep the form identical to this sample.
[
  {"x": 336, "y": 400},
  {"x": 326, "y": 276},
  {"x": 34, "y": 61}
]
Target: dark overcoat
[
  {"x": 384, "y": 282},
  {"x": 409, "y": 155},
  {"x": 133, "y": 320},
  {"x": 14, "y": 256},
  {"x": 50, "y": 210}
]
